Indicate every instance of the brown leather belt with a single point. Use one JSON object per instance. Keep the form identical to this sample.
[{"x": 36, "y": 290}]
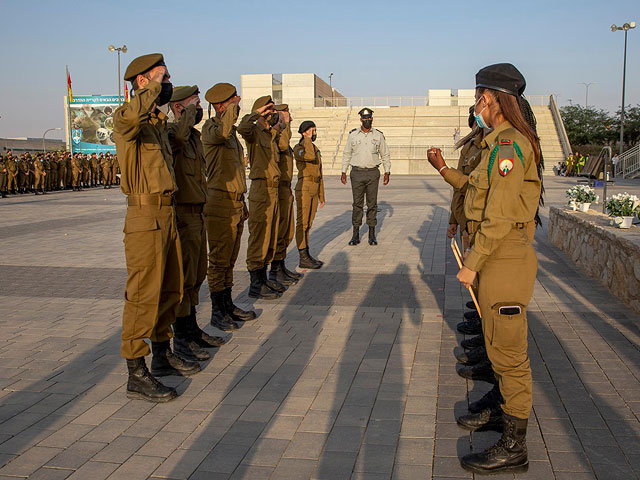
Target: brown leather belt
[
  {"x": 472, "y": 226},
  {"x": 139, "y": 199},
  {"x": 224, "y": 194},
  {"x": 311, "y": 179},
  {"x": 189, "y": 208}
]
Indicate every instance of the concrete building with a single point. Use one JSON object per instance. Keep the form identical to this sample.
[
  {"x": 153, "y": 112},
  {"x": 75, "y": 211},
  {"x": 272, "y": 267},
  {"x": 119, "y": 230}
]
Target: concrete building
[
  {"x": 298, "y": 90},
  {"x": 24, "y": 144}
]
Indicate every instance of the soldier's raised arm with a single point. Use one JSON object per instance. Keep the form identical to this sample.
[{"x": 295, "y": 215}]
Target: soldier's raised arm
[
  {"x": 128, "y": 118},
  {"x": 180, "y": 131}
]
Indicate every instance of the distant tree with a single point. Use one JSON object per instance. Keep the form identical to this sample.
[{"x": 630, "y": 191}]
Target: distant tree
[
  {"x": 631, "y": 125},
  {"x": 588, "y": 126}
]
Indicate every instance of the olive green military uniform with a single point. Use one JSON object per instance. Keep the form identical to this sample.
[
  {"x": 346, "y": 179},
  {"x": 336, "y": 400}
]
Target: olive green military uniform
[
  {"x": 151, "y": 243},
  {"x": 115, "y": 170},
  {"x": 3, "y": 176},
  {"x": 94, "y": 165},
  {"x": 76, "y": 172},
  {"x": 107, "y": 178},
  {"x": 69, "y": 177},
  {"x": 53, "y": 181},
  {"x": 263, "y": 193},
  {"x": 12, "y": 174},
  {"x": 62, "y": 171},
  {"x": 309, "y": 188},
  {"x": 23, "y": 175},
  {"x": 500, "y": 205},
  {"x": 86, "y": 171},
  {"x": 47, "y": 174},
  {"x": 286, "y": 225},
  {"x": 226, "y": 187},
  {"x": 470, "y": 156},
  {"x": 189, "y": 170},
  {"x": 40, "y": 174}
]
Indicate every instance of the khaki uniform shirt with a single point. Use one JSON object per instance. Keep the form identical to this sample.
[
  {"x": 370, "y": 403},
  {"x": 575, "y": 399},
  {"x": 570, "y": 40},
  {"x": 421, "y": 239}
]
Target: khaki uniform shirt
[
  {"x": 501, "y": 193},
  {"x": 285, "y": 163},
  {"x": 263, "y": 149},
  {"x": 188, "y": 159},
  {"x": 105, "y": 163},
  {"x": 142, "y": 143},
  {"x": 470, "y": 156},
  {"x": 366, "y": 150},
  {"x": 309, "y": 164},
  {"x": 224, "y": 154},
  {"x": 76, "y": 165},
  {"x": 12, "y": 167}
]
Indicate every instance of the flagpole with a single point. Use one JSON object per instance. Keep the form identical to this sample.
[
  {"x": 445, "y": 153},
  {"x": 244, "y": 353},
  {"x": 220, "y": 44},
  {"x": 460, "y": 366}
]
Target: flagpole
[{"x": 68, "y": 112}]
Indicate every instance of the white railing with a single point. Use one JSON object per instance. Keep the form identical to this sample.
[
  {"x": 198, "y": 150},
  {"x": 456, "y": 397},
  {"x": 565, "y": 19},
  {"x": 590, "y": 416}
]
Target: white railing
[
  {"x": 419, "y": 152},
  {"x": 628, "y": 163},
  {"x": 562, "y": 133}
]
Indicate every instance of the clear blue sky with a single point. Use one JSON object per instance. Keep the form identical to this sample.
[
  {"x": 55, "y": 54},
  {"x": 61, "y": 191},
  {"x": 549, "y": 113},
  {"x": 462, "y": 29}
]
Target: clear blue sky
[{"x": 374, "y": 48}]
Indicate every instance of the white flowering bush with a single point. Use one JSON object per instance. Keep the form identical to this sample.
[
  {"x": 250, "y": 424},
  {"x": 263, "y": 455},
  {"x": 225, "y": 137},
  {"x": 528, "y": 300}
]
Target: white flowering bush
[
  {"x": 623, "y": 205},
  {"x": 582, "y": 194}
]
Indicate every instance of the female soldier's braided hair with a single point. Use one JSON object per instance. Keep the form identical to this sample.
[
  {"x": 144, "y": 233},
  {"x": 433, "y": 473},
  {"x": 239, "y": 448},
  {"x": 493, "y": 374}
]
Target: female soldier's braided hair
[{"x": 530, "y": 118}]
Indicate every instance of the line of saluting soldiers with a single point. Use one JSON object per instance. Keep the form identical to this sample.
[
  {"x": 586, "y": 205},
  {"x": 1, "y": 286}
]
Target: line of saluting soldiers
[
  {"x": 43, "y": 173},
  {"x": 187, "y": 188}
]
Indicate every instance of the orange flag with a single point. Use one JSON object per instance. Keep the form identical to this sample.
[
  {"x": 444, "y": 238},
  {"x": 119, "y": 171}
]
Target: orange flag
[
  {"x": 126, "y": 92},
  {"x": 69, "y": 85}
]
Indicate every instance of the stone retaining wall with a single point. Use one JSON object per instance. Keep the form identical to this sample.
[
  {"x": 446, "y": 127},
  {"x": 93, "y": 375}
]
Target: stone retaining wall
[{"x": 608, "y": 254}]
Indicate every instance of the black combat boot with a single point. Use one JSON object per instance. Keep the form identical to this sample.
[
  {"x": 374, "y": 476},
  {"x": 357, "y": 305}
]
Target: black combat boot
[
  {"x": 471, "y": 315},
  {"x": 491, "y": 399},
  {"x": 143, "y": 386},
  {"x": 202, "y": 338},
  {"x": 470, "y": 327},
  {"x": 165, "y": 362},
  {"x": 319, "y": 262},
  {"x": 508, "y": 455},
  {"x": 258, "y": 289},
  {"x": 4, "y": 194},
  {"x": 306, "y": 261},
  {"x": 236, "y": 312},
  {"x": 471, "y": 357},
  {"x": 487, "y": 419},
  {"x": 479, "y": 372},
  {"x": 219, "y": 316},
  {"x": 184, "y": 345},
  {"x": 272, "y": 284},
  {"x": 289, "y": 273},
  {"x": 355, "y": 239},
  {"x": 372, "y": 236},
  {"x": 471, "y": 305},
  {"x": 276, "y": 274},
  {"x": 473, "y": 342}
]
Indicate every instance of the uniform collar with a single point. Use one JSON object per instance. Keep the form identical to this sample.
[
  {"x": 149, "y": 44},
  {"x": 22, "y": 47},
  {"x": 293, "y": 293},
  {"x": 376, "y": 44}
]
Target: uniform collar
[{"x": 490, "y": 140}]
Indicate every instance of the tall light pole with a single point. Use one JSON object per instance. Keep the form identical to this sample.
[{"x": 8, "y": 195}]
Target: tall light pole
[
  {"x": 626, "y": 27},
  {"x": 122, "y": 49},
  {"x": 586, "y": 95},
  {"x": 44, "y": 148},
  {"x": 331, "y": 87}
]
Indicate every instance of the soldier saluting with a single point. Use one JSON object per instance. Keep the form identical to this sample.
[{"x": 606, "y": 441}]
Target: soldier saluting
[{"x": 366, "y": 148}]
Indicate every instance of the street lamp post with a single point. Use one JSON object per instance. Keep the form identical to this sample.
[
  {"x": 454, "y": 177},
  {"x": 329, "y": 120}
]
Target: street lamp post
[
  {"x": 331, "y": 87},
  {"x": 122, "y": 49},
  {"x": 586, "y": 94},
  {"x": 626, "y": 27},
  {"x": 44, "y": 147}
]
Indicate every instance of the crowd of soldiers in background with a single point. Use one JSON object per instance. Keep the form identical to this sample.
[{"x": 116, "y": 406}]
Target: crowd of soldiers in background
[
  {"x": 46, "y": 172},
  {"x": 573, "y": 165}
]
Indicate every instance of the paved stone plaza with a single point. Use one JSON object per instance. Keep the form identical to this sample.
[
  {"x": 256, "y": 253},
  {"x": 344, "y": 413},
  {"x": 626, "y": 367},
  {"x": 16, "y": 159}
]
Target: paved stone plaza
[{"x": 351, "y": 374}]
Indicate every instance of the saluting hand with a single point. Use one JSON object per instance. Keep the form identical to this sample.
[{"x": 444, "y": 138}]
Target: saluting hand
[{"x": 265, "y": 110}]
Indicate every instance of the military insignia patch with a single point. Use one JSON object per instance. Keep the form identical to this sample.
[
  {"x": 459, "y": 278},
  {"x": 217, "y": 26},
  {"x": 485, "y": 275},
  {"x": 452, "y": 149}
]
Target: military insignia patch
[
  {"x": 505, "y": 142},
  {"x": 505, "y": 166}
]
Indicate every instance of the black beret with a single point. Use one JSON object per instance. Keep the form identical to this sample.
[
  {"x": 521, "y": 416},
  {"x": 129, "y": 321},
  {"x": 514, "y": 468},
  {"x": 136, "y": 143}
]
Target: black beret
[
  {"x": 261, "y": 102},
  {"x": 366, "y": 113},
  {"x": 180, "y": 93},
  {"x": 306, "y": 125},
  {"x": 142, "y": 65},
  {"x": 502, "y": 77},
  {"x": 220, "y": 92}
]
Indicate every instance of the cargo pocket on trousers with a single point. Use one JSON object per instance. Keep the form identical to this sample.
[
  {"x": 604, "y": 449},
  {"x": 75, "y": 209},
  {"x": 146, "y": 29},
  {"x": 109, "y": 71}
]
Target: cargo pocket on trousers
[
  {"x": 509, "y": 329},
  {"x": 140, "y": 241}
]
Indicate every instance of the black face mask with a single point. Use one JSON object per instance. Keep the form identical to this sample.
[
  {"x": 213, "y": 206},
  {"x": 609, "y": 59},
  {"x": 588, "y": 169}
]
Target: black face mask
[
  {"x": 313, "y": 137},
  {"x": 367, "y": 124},
  {"x": 165, "y": 94},
  {"x": 274, "y": 119},
  {"x": 199, "y": 115}
]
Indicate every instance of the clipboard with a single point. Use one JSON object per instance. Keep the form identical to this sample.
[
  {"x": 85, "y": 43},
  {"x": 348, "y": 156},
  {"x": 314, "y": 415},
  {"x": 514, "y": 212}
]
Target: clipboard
[{"x": 458, "y": 255}]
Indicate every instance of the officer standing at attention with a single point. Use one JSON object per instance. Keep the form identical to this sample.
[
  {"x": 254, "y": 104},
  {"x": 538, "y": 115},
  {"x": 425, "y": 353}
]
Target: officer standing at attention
[
  {"x": 151, "y": 242},
  {"x": 3, "y": 177},
  {"x": 309, "y": 190},
  {"x": 76, "y": 172},
  {"x": 39, "y": 172},
  {"x": 105, "y": 164},
  {"x": 279, "y": 271},
  {"x": 504, "y": 192},
  {"x": 366, "y": 148},
  {"x": 225, "y": 211},
  {"x": 12, "y": 173},
  {"x": 257, "y": 128},
  {"x": 189, "y": 166}
]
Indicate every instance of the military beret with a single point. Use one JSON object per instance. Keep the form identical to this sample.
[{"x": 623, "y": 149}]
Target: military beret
[
  {"x": 142, "y": 65},
  {"x": 220, "y": 92},
  {"x": 306, "y": 125},
  {"x": 180, "y": 93},
  {"x": 282, "y": 107},
  {"x": 366, "y": 113},
  {"x": 502, "y": 77},
  {"x": 261, "y": 102}
]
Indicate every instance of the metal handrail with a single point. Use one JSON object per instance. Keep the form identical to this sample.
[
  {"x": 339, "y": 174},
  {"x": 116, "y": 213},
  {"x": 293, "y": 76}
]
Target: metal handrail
[
  {"x": 629, "y": 162},
  {"x": 562, "y": 132},
  {"x": 606, "y": 163}
]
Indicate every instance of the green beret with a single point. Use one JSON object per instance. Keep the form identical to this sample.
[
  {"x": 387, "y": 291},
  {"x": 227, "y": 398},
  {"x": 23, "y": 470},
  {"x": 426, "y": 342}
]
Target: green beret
[
  {"x": 180, "y": 93},
  {"x": 142, "y": 65},
  {"x": 282, "y": 107},
  {"x": 220, "y": 92},
  {"x": 261, "y": 102}
]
